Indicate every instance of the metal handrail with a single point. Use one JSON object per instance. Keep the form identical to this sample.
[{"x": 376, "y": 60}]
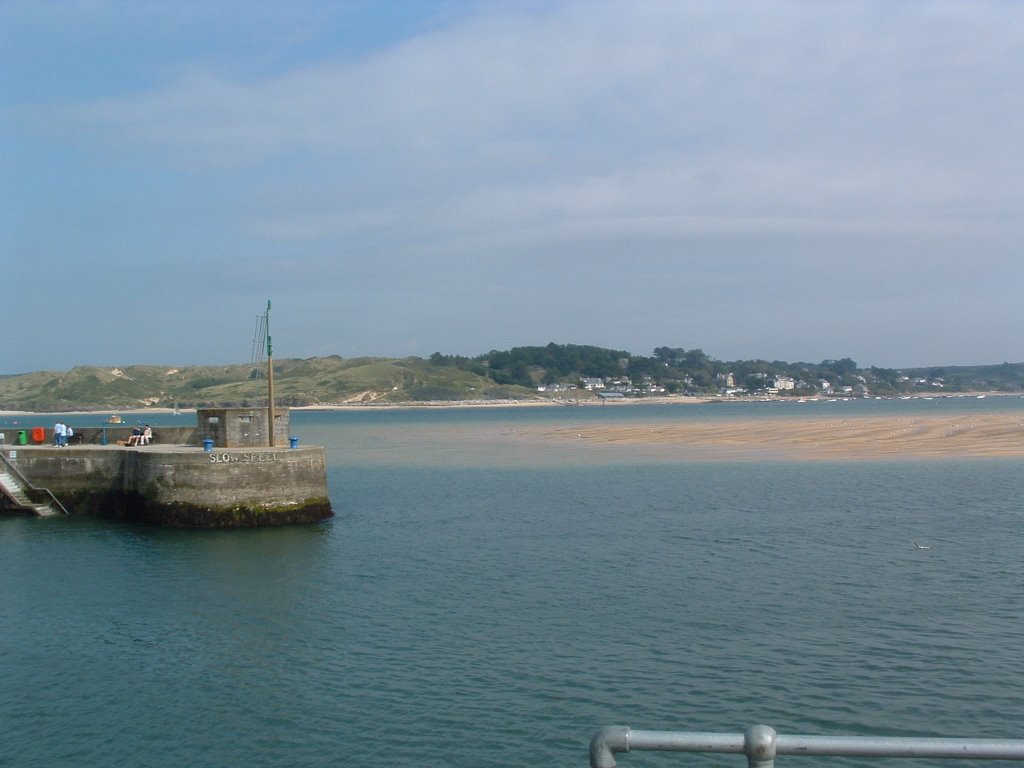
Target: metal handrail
[
  {"x": 760, "y": 743},
  {"x": 11, "y": 467}
]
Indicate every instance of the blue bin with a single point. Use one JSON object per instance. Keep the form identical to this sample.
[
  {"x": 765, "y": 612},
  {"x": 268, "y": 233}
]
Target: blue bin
[
  {"x": 293, "y": 442},
  {"x": 208, "y": 445}
]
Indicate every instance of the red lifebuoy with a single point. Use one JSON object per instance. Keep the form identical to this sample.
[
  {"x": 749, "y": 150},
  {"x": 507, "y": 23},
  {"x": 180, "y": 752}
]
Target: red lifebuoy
[{"x": 38, "y": 435}]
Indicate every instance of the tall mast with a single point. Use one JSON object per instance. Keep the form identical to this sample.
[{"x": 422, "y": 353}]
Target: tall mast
[{"x": 270, "y": 381}]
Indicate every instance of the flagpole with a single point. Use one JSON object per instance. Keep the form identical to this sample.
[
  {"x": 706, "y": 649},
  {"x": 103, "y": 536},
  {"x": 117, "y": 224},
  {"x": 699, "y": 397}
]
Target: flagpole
[{"x": 270, "y": 382}]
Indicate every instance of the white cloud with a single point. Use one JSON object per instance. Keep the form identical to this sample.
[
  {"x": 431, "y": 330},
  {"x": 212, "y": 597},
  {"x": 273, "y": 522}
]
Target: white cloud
[{"x": 665, "y": 135}]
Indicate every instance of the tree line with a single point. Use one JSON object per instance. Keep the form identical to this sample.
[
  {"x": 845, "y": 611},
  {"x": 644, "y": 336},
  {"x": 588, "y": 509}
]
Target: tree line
[{"x": 692, "y": 371}]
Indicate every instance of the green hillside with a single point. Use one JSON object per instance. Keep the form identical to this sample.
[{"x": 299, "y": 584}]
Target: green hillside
[
  {"x": 315, "y": 381},
  {"x": 517, "y": 373}
]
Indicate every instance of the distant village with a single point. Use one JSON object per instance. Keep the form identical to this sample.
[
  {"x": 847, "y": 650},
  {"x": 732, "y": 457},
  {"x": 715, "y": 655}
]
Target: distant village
[
  {"x": 555, "y": 369},
  {"x": 764, "y": 384}
]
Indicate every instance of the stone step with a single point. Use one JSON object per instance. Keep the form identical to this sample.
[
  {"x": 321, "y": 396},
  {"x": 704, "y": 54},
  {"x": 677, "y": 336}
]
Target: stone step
[{"x": 14, "y": 488}]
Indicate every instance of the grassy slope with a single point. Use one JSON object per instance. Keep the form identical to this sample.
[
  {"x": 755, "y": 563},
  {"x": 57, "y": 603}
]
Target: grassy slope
[
  {"x": 296, "y": 382},
  {"x": 326, "y": 380}
]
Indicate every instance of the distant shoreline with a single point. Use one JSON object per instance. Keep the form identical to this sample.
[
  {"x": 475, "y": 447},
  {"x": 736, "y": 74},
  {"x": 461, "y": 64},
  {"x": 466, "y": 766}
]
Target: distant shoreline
[
  {"x": 537, "y": 403},
  {"x": 827, "y": 434},
  {"x": 628, "y": 401}
]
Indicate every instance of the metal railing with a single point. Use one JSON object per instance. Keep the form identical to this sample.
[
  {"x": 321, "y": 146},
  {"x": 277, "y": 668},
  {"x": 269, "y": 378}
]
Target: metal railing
[
  {"x": 761, "y": 744},
  {"x": 35, "y": 494}
]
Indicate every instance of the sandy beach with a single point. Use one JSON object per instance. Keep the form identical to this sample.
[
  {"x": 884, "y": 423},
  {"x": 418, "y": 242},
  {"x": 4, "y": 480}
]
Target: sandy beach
[
  {"x": 864, "y": 438},
  {"x": 856, "y": 438}
]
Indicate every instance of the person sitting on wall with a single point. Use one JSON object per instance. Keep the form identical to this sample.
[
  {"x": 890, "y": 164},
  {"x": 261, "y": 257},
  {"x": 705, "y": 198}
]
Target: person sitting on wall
[
  {"x": 136, "y": 436},
  {"x": 147, "y": 435}
]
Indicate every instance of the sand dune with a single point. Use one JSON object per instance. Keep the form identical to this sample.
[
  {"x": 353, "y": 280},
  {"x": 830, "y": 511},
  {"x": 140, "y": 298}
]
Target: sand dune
[{"x": 862, "y": 438}]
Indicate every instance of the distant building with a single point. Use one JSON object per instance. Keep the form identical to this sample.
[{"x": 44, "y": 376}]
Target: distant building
[{"x": 726, "y": 379}]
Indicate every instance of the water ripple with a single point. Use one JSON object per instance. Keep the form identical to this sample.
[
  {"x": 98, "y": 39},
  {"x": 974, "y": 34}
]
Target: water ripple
[{"x": 480, "y": 615}]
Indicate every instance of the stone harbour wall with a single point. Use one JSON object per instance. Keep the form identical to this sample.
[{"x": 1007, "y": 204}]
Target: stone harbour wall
[{"x": 185, "y": 487}]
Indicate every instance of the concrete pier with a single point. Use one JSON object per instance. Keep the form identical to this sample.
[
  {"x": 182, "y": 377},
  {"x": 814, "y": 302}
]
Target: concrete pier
[{"x": 181, "y": 485}]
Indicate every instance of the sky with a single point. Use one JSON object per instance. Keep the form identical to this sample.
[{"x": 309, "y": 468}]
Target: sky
[{"x": 791, "y": 181}]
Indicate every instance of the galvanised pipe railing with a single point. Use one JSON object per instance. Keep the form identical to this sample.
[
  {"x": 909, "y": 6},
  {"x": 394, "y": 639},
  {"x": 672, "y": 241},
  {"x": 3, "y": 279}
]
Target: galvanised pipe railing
[
  {"x": 761, "y": 744},
  {"x": 29, "y": 489}
]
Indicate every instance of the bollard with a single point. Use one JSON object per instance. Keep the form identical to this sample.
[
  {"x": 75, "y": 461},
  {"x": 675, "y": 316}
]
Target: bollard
[
  {"x": 293, "y": 442},
  {"x": 208, "y": 445}
]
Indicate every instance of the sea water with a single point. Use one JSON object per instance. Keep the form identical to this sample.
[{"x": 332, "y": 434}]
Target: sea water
[{"x": 487, "y": 598}]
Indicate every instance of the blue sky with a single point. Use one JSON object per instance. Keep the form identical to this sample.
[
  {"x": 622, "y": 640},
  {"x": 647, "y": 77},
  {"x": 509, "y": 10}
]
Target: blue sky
[{"x": 779, "y": 180}]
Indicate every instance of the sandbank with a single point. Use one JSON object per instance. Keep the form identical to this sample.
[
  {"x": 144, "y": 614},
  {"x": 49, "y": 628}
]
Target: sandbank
[{"x": 863, "y": 438}]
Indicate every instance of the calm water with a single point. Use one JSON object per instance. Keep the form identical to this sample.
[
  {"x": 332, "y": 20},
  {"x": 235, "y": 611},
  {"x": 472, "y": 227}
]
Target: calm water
[{"x": 486, "y": 599}]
